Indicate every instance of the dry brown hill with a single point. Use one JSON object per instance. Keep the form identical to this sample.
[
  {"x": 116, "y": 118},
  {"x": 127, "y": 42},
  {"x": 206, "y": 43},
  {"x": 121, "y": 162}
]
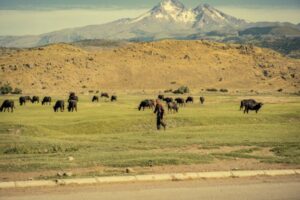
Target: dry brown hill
[{"x": 160, "y": 65}]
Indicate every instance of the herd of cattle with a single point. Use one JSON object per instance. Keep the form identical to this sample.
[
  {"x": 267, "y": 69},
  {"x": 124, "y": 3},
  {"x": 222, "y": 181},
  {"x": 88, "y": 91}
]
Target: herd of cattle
[{"x": 172, "y": 104}]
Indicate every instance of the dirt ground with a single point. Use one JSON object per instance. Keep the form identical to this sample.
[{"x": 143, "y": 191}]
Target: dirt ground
[{"x": 218, "y": 165}]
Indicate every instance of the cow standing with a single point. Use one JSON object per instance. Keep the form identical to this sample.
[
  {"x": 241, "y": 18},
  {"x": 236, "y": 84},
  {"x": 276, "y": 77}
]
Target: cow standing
[
  {"x": 146, "y": 104},
  {"x": 22, "y": 101},
  {"x": 60, "y": 104},
  {"x": 95, "y": 98},
  {"x": 189, "y": 100},
  {"x": 180, "y": 101},
  {"x": 253, "y": 106},
  {"x": 113, "y": 98},
  {"x": 245, "y": 102},
  {"x": 72, "y": 106},
  {"x": 173, "y": 107},
  {"x": 7, "y": 104},
  {"x": 35, "y": 99},
  {"x": 47, "y": 100},
  {"x": 202, "y": 99},
  {"x": 168, "y": 99},
  {"x": 161, "y": 97}
]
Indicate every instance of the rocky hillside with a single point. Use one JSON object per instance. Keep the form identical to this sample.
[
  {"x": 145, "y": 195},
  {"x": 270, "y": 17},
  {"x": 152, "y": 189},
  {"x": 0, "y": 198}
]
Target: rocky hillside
[{"x": 159, "y": 65}]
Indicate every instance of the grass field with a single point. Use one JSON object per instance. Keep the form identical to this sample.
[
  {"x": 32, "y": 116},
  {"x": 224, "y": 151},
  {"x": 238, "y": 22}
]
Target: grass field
[{"x": 34, "y": 138}]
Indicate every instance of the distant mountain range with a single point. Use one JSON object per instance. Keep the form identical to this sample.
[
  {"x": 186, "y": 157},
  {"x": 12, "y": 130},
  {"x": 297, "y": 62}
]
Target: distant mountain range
[{"x": 169, "y": 19}]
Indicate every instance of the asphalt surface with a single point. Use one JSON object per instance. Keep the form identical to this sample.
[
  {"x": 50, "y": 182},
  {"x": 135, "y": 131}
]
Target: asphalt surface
[{"x": 258, "y": 188}]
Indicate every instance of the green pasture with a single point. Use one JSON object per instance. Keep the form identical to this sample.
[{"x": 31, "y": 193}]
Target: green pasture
[{"x": 34, "y": 138}]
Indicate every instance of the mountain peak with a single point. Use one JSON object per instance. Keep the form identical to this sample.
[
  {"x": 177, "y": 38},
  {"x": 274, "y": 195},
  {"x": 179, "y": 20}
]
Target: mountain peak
[{"x": 171, "y": 5}]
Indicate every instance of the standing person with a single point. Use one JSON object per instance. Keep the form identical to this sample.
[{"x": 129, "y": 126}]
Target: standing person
[{"x": 159, "y": 110}]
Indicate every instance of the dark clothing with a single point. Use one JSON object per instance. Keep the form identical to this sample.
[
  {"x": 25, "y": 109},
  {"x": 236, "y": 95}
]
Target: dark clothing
[{"x": 159, "y": 110}]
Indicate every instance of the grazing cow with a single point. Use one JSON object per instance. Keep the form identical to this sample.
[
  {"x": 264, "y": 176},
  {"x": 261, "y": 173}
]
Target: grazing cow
[
  {"x": 22, "y": 101},
  {"x": 95, "y": 98},
  {"x": 252, "y": 106},
  {"x": 180, "y": 101},
  {"x": 35, "y": 99},
  {"x": 246, "y": 101},
  {"x": 161, "y": 97},
  {"x": 113, "y": 98},
  {"x": 189, "y": 100},
  {"x": 27, "y": 98},
  {"x": 104, "y": 94},
  {"x": 7, "y": 104},
  {"x": 72, "y": 106},
  {"x": 168, "y": 100},
  {"x": 172, "y": 106},
  {"x": 202, "y": 99},
  {"x": 147, "y": 104},
  {"x": 60, "y": 104},
  {"x": 46, "y": 100}
]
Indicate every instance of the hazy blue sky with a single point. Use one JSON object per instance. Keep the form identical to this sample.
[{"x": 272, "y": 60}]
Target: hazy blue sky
[
  {"x": 25, "y": 4},
  {"x": 18, "y": 17}
]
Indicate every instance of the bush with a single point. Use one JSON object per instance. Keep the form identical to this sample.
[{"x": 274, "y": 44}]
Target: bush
[
  {"x": 182, "y": 90},
  {"x": 223, "y": 90},
  {"x": 17, "y": 91},
  {"x": 6, "y": 89},
  {"x": 167, "y": 91},
  {"x": 211, "y": 90}
]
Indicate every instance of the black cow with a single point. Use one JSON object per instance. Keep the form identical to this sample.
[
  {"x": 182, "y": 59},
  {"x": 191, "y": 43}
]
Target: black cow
[
  {"x": 168, "y": 99},
  {"x": 180, "y": 101},
  {"x": 252, "y": 106},
  {"x": 73, "y": 96},
  {"x": 202, "y": 99},
  {"x": 27, "y": 98},
  {"x": 172, "y": 106},
  {"x": 189, "y": 100},
  {"x": 46, "y": 100},
  {"x": 35, "y": 99},
  {"x": 161, "y": 97},
  {"x": 246, "y": 101},
  {"x": 95, "y": 98},
  {"x": 113, "y": 98},
  {"x": 7, "y": 104},
  {"x": 72, "y": 106},
  {"x": 22, "y": 101},
  {"x": 60, "y": 104},
  {"x": 147, "y": 104},
  {"x": 104, "y": 94}
]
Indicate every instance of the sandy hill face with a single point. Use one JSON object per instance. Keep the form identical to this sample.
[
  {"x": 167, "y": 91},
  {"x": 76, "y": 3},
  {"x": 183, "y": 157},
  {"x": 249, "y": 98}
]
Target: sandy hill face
[{"x": 155, "y": 65}]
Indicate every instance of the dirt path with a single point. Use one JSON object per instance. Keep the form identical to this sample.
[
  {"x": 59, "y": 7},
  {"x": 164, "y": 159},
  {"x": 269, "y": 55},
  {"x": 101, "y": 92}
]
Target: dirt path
[{"x": 259, "y": 188}]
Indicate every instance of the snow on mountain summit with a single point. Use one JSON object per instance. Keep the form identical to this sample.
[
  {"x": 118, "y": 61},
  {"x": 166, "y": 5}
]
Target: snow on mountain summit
[{"x": 203, "y": 16}]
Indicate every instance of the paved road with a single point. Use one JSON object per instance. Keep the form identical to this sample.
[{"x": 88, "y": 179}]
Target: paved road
[{"x": 279, "y": 188}]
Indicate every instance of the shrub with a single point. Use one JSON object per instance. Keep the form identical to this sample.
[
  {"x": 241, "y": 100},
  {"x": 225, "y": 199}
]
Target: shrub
[
  {"x": 223, "y": 90},
  {"x": 6, "y": 89},
  {"x": 182, "y": 90},
  {"x": 211, "y": 90},
  {"x": 167, "y": 91},
  {"x": 17, "y": 91}
]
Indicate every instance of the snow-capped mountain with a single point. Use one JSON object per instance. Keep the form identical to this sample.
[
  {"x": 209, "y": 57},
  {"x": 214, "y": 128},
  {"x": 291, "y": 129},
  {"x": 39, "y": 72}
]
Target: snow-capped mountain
[
  {"x": 204, "y": 17},
  {"x": 168, "y": 19}
]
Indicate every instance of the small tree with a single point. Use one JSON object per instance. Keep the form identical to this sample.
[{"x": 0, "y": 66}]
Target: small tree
[
  {"x": 17, "y": 91},
  {"x": 182, "y": 90},
  {"x": 6, "y": 89}
]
